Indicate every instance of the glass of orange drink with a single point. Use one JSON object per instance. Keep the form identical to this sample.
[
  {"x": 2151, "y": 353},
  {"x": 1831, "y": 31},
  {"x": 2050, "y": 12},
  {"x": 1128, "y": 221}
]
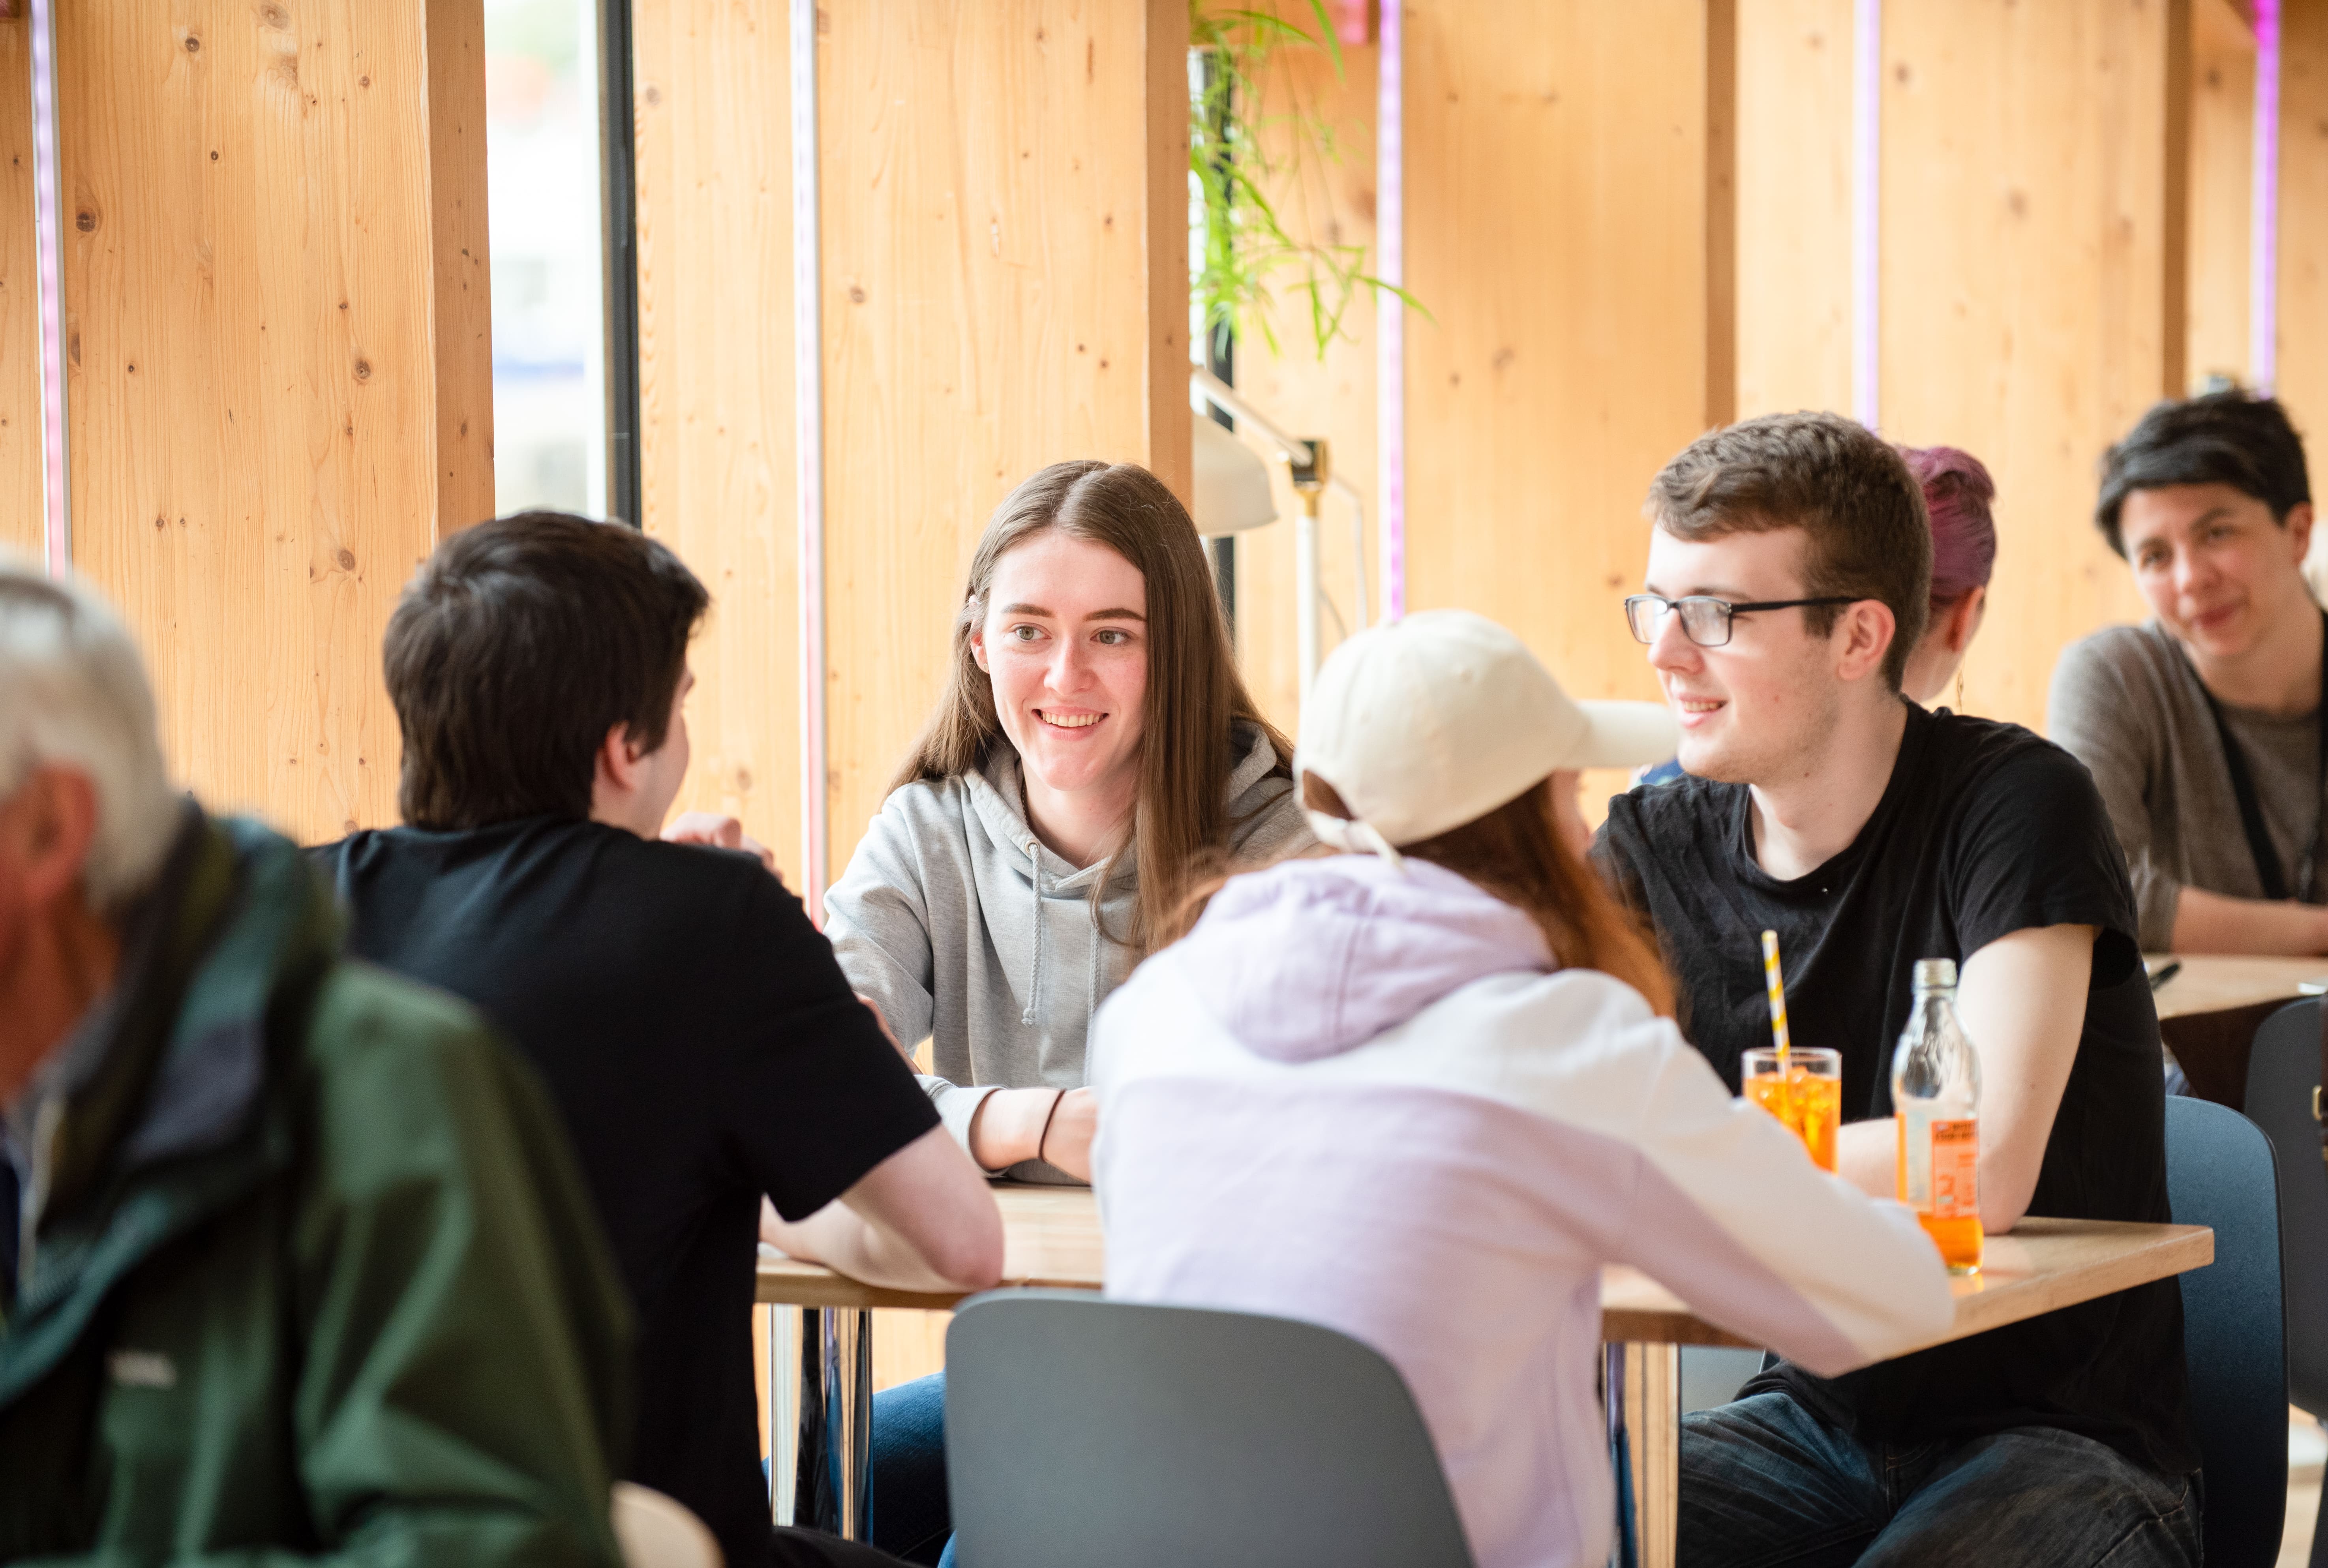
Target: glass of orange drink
[{"x": 1806, "y": 1094}]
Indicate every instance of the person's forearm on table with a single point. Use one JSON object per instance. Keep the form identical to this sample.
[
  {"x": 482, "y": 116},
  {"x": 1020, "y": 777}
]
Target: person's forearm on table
[
  {"x": 2021, "y": 999},
  {"x": 1866, "y": 1155},
  {"x": 1013, "y": 1125},
  {"x": 2208, "y": 922},
  {"x": 1008, "y": 1126},
  {"x": 923, "y": 1219},
  {"x": 847, "y": 1243}
]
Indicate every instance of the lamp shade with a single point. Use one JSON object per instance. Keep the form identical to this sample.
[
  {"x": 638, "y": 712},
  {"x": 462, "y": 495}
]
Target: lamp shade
[{"x": 1232, "y": 492}]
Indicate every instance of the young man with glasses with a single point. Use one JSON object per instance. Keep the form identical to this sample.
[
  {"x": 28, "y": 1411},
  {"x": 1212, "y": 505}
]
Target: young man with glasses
[
  {"x": 1788, "y": 578},
  {"x": 2203, "y": 725}
]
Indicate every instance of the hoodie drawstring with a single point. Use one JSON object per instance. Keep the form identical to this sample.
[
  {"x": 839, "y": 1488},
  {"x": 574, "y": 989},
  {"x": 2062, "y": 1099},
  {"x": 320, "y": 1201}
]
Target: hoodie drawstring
[
  {"x": 1034, "y": 981},
  {"x": 1090, "y": 995}
]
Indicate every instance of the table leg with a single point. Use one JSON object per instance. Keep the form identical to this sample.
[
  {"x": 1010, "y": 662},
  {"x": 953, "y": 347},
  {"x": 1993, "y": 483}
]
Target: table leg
[
  {"x": 832, "y": 1488},
  {"x": 1643, "y": 1390},
  {"x": 782, "y": 1407}
]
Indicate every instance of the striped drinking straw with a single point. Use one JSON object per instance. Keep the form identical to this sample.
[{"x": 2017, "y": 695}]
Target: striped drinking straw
[{"x": 1777, "y": 997}]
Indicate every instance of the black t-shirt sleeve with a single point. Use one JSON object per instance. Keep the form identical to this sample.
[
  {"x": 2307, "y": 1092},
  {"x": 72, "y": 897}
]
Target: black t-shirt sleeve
[
  {"x": 1612, "y": 855},
  {"x": 2034, "y": 847},
  {"x": 807, "y": 1091}
]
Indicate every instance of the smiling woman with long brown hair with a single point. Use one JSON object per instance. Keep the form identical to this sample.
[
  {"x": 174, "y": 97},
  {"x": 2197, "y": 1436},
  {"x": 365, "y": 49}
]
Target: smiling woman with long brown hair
[{"x": 1094, "y": 749}]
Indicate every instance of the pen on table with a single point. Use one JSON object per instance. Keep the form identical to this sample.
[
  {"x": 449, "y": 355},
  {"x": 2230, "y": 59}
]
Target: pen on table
[{"x": 2165, "y": 973}]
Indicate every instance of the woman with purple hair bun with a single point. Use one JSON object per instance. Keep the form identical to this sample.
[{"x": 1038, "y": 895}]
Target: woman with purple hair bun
[{"x": 1957, "y": 492}]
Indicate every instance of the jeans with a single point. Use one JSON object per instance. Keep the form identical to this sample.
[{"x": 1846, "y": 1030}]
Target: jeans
[
  {"x": 911, "y": 1518},
  {"x": 1764, "y": 1481},
  {"x": 792, "y": 1548}
]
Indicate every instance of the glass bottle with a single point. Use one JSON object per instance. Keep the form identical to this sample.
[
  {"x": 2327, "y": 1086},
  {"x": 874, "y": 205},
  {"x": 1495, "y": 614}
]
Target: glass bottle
[{"x": 1936, "y": 1099}]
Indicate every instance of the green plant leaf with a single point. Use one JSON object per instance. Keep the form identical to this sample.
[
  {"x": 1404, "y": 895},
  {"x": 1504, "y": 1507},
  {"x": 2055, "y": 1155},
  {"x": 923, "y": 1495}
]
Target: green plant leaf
[{"x": 1245, "y": 244}]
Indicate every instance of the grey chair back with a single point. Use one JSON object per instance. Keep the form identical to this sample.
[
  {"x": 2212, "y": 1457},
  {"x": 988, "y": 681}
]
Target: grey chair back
[
  {"x": 2282, "y": 1074},
  {"x": 2283, "y": 1077},
  {"x": 2220, "y": 1174},
  {"x": 1080, "y": 1430}
]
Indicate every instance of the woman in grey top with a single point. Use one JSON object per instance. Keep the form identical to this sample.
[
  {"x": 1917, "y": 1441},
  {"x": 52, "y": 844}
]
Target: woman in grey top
[
  {"x": 1093, "y": 748},
  {"x": 2209, "y": 503},
  {"x": 1094, "y": 755}
]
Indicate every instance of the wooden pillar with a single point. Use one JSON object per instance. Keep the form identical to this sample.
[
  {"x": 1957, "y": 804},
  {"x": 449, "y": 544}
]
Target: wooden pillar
[
  {"x": 2303, "y": 229},
  {"x": 2221, "y": 160},
  {"x": 278, "y": 364},
  {"x": 20, "y": 304},
  {"x": 719, "y": 464},
  {"x": 1308, "y": 392},
  {"x": 1005, "y": 253},
  {"x": 1794, "y": 205},
  {"x": 1557, "y": 231},
  {"x": 2032, "y": 260}
]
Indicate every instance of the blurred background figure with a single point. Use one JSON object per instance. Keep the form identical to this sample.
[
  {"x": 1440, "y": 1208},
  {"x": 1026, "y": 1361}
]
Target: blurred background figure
[
  {"x": 303, "y": 1259},
  {"x": 1957, "y": 496},
  {"x": 2202, "y": 725}
]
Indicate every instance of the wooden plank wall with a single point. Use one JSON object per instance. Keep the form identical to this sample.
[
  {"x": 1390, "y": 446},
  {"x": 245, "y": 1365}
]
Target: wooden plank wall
[
  {"x": 1556, "y": 229},
  {"x": 2304, "y": 234},
  {"x": 2030, "y": 310},
  {"x": 2046, "y": 172},
  {"x": 279, "y": 387},
  {"x": 1331, "y": 394},
  {"x": 1006, "y": 285},
  {"x": 2222, "y": 161},
  {"x": 719, "y": 470},
  {"x": 1794, "y": 205},
  {"x": 20, "y": 305}
]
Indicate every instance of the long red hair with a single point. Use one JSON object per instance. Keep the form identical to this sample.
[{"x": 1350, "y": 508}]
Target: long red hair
[{"x": 1517, "y": 853}]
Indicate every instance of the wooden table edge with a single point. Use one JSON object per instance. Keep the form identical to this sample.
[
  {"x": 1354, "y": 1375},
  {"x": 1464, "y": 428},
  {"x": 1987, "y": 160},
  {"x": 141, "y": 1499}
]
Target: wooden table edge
[
  {"x": 2178, "y": 1250},
  {"x": 781, "y": 1282}
]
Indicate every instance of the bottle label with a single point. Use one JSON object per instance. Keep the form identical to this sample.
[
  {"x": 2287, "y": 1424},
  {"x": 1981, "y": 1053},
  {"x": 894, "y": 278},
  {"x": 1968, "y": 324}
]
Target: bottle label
[{"x": 1955, "y": 1159}]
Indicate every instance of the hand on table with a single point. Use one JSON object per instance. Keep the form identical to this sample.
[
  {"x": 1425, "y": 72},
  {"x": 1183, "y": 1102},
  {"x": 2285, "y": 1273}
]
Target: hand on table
[
  {"x": 787, "y": 1238},
  {"x": 1067, "y": 1144},
  {"x": 1017, "y": 1124},
  {"x": 718, "y": 832}
]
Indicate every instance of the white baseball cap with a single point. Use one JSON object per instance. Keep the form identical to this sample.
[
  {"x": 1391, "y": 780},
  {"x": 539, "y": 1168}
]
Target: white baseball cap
[{"x": 1435, "y": 720}]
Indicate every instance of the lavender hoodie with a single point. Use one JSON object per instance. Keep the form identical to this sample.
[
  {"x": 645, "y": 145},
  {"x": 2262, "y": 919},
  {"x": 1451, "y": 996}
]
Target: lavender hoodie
[{"x": 1366, "y": 1097}]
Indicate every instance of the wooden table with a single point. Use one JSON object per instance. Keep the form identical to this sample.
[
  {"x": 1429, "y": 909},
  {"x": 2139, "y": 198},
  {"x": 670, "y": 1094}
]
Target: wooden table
[
  {"x": 2209, "y": 1012},
  {"x": 1052, "y": 1238},
  {"x": 2214, "y": 982}
]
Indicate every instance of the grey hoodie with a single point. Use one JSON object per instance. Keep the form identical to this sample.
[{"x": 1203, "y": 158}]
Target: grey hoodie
[{"x": 959, "y": 921}]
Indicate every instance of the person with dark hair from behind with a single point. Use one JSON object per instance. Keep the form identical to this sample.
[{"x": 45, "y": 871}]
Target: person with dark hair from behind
[
  {"x": 1958, "y": 494},
  {"x": 691, "y": 1023},
  {"x": 303, "y": 1269},
  {"x": 1788, "y": 578},
  {"x": 2204, "y": 727}
]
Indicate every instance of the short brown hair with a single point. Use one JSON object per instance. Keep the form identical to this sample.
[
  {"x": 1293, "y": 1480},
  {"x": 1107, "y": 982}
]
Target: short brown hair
[
  {"x": 1860, "y": 511},
  {"x": 514, "y": 650}
]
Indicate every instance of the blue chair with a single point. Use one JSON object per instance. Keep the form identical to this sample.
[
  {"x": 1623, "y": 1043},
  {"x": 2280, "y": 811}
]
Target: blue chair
[
  {"x": 2220, "y": 1174},
  {"x": 2283, "y": 1075},
  {"x": 1083, "y": 1430}
]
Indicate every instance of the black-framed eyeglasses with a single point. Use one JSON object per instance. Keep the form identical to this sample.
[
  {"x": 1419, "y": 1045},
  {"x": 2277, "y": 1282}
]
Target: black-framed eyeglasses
[{"x": 1705, "y": 619}]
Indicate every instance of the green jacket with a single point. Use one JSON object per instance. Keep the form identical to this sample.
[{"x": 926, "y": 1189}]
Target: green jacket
[{"x": 311, "y": 1273}]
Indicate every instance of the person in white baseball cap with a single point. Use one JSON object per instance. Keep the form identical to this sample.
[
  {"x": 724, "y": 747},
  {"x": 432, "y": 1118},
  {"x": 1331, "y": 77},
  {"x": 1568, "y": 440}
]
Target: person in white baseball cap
[
  {"x": 1421, "y": 1091},
  {"x": 1433, "y": 722}
]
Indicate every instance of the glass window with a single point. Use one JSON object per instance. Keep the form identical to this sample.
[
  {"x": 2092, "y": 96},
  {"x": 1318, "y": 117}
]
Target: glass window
[{"x": 541, "y": 161}]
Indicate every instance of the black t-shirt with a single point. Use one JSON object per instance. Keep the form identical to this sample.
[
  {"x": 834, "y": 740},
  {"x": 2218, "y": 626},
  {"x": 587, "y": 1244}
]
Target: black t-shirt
[
  {"x": 1983, "y": 830},
  {"x": 704, "y": 1048}
]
